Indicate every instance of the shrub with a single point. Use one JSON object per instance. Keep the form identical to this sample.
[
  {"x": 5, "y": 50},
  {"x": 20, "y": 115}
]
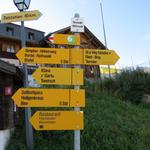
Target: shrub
[{"x": 129, "y": 85}]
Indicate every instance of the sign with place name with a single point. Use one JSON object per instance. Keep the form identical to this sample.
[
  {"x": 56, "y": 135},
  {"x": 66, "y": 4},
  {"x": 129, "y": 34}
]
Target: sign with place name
[
  {"x": 100, "y": 57},
  {"x": 77, "y": 25},
  {"x": 57, "y": 120},
  {"x": 67, "y": 56},
  {"x": 58, "y": 76},
  {"x": 34, "y": 55},
  {"x": 64, "y": 39},
  {"x": 20, "y": 16},
  {"x": 30, "y": 97}
]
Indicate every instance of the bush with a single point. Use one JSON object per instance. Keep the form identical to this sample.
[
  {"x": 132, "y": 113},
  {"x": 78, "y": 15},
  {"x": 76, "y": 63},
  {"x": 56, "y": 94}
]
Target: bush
[{"x": 129, "y": 85}]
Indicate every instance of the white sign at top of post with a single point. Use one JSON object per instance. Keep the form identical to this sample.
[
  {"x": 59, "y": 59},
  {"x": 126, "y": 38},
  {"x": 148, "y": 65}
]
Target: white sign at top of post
[{"x": 77, "y": 25}]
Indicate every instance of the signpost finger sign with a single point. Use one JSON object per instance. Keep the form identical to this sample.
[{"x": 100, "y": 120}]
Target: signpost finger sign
[
  {"x": 67, "y": 56},
  {"x": 64, "y": 39},
  {"x": 57, "y": 120},
  {"x": 51, "y": 76},
  {"x": 20, "y": 16},
  {"x": 28, "y": 97}
]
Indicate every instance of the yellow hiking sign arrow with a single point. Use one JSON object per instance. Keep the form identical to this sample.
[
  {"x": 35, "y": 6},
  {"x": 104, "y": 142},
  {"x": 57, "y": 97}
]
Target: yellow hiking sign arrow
[
  {"x": 58, "y": 76},
  {"x": 28, "y": 97},
  {"x": 57, "y": 120},
  {"x": 20, "y": 16},
  {"x": 38, "y": 55}
]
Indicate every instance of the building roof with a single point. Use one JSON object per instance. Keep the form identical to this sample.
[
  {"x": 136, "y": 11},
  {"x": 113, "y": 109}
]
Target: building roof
[
  {"x": 11, "y": 70},
  {"x": 86, "y": 32}
]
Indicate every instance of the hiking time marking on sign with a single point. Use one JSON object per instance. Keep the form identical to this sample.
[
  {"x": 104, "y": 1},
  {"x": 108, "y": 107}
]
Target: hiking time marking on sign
[
  {"x": 30, "y": 97},
  {"x": 67, "y": 56},
  {"x": 34, "y": 55}
]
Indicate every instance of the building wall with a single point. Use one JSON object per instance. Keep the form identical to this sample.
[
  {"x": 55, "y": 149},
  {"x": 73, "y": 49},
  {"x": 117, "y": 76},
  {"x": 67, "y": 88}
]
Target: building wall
[
  {"x": 6, "y": 103},
  {"x": 10, "y": 30},
  {"x": 10, "y": 43},
  {"x": 4, "y": 138}
]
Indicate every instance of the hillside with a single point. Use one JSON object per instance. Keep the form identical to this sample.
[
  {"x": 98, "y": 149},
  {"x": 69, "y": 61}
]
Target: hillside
[{"x": 110, "y": 124}]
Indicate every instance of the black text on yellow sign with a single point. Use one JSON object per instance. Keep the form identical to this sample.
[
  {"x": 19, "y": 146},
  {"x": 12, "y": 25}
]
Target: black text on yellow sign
[
  {"x": 67, "y": 56},
  {"x": 29, "y": 97},
  {"x": 57, "y": 120},
  {"x": 20, "y": 16},
  {"x": 58, "y": 76}
]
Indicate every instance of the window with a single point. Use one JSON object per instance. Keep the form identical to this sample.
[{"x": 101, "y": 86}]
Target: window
[
  {"x": 10, "y": 48},
  {"x": 31, "y": 36},
  {"x": 10, "y": 31}
]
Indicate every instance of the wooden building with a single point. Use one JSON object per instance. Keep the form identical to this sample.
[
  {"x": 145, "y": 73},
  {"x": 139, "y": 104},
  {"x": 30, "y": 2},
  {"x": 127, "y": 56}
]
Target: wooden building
[
  {"x": 10, "y": 43},
  {"x": 10, "y": 80},
  {"x": 11, "y": 77}
]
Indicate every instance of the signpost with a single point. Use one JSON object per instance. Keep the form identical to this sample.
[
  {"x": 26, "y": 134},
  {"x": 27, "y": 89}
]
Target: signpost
[
  {"x": 58, "y": 76},
  {"x": 77, "y": 28},
  {"x": 20, "y": 16},
  {"x": 65, "y": 39},
  {"x": 67, "y": 56},
  {"x": 28, "y": 97},
  {"x": 57, "y": 120}
]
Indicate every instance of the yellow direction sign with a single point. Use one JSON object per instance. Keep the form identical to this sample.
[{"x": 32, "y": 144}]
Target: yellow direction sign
[
  {"x": 67, "y": 56},
  {"x": 33, "y": 55},
  {"x": 56, "y": 76},
  {"x": 100, "y": 57},
  {"x": 20, "y": 16},
  {"x": 57, "y": 120},
  {"x": 65, "y": 39},
  {"x": 29, "y": 97}
]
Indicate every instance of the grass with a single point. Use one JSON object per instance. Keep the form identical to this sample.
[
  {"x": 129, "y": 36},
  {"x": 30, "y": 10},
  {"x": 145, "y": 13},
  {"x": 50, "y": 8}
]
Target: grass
[{"x": 110, "y": 124}]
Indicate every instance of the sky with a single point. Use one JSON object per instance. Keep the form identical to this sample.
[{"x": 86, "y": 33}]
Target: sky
[{"x": 127, "y": 23}]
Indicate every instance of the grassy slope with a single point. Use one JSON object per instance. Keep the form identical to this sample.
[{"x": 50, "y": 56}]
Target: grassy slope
[
  {"x": 110, "y": 124},
  {"x": 115, "y": 125}
]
